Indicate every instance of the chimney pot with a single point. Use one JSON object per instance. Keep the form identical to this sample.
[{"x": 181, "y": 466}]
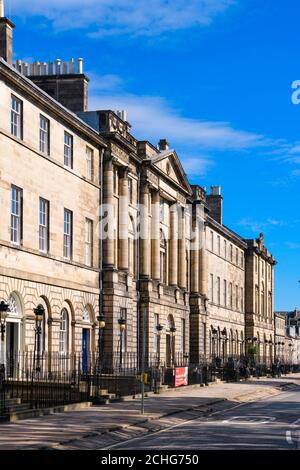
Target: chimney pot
[
  {"x": 44, "y": 68},
  {"x": 215, "y": 190},
  {"x": 72, "y": 66},
  {"x": 65, "y": 68},
  {"x": 163, "y": 144},
  {"x": 80, "y": 66},
  {"x": 57, "y": 66},
  {"x": 19, "y": 66}
]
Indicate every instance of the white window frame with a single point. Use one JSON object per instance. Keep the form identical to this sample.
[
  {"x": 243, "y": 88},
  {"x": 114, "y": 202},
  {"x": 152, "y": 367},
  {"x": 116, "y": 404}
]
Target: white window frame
[
  {"x": 44, "y": 135},
  {"x": 68, "y": 150},
  {"x": 88, "y": 258},
  {"x": 44, "y": 225},
  {"x": 89, "y": 163},
  {"x": 16, "y": 215},
  {"x": 68, "y": 234},
  {"x": 16, "y": 118},
  {"x": 64, "y": 331}
]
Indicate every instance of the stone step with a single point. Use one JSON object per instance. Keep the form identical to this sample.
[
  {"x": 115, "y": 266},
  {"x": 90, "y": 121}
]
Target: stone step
[
  {"x": 28, "y": 413},
  {"x": 12, "y": 401},
  {"x": 16, "y": 408}
]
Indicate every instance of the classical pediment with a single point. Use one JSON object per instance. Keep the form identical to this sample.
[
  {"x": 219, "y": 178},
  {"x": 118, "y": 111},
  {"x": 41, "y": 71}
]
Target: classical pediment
[{"x": 169, "y": 163}]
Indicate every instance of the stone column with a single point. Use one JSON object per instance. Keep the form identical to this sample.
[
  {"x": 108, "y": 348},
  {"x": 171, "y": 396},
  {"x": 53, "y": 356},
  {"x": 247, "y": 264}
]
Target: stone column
[
  {"x": 123, "y": 219},
  {"x": 182, "y": 253},
  {"x": 155, "y": 237},
  {"x": 173, "y": 244},
  {"x": 109, "y": 201},
  {"x": 203, "y": 263},
  {"x": 144, "y": 233},
  {"x": 195, "y": 255}
]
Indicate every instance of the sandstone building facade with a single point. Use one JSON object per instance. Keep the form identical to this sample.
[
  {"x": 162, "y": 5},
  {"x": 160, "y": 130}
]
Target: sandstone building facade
[{"x": 95, "y": 221}]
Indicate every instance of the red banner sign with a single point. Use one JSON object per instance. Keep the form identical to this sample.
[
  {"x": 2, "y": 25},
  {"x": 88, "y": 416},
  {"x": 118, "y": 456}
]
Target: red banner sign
[{"x": 181, "y": 376}]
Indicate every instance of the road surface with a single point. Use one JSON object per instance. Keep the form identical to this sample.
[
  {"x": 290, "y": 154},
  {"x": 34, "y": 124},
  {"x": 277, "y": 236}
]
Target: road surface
[{"x": 273, "y": 423}]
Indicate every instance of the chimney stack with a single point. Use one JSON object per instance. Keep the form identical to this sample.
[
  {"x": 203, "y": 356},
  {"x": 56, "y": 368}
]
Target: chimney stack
[
  {"x": 6, "y": 36},
  {"x": 163, "y": 145},
  {"x": 215, "y": 204}
]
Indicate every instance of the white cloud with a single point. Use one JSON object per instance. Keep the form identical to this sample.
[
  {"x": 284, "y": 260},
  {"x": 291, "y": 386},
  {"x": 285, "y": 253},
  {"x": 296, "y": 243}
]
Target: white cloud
[
  {"x": 153, "y": 118},
  {"x": 103, "y": 83},
  {"x": 259, "y": 226},
  {"x": 196, "y": 166},
  {"x": 119, "y": 17}
]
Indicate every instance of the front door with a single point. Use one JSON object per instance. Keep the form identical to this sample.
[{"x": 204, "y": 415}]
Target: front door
[
  {"x": 168, "y": 350},
  {"x": 85, "y": 349},
  {"x": 12, "y": 348}
]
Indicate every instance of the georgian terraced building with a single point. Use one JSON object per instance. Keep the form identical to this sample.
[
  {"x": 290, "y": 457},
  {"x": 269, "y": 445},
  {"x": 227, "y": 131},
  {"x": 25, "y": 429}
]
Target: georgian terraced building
[
  {"x": 50, "y": 212},
  {"x": 95, "y": 221}
]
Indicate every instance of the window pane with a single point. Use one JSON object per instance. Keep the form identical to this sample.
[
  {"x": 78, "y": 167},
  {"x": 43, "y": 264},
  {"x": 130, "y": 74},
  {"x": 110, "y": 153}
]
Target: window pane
[
  {"x": 89, "y": 163},
  {"x": 44, "y": 135},
  {"x": 16, "y": 215},
  {"x": 16, "y": 117},
  {"x": 68, "y": 150},
  {"x": 67, "y": 234},
  {"x": 44, "y": 226},
  {"x": 88, "y": 241}
]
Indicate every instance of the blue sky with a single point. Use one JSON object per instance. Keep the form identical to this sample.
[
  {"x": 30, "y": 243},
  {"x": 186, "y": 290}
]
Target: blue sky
[{"x": 213, "y": 77}]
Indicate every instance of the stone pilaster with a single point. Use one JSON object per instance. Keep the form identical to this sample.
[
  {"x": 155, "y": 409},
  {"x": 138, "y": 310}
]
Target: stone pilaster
[
  {"x": 144, "y": 242},
  {"x": 182, "y": 253},
  {"x": 195, "y": 255},
  {"x": 173, "y": 243},
  {"x": 108, "y": 245},
  {"x": 123, "y": 219},
  {"x": 155, "y": 235}
]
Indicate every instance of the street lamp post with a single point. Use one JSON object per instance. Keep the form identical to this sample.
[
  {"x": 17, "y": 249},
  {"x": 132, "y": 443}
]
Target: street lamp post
[
  {"x": 39, "y": 318},
  {"x": 159, "y": 329},
  {"x": 4, "y": 309},
  {"x": 101, "y": 326},
  {"x": 122, "y": 327},
  {"x": 214, "y": 338},
  {"x": 224, "y": 343}
]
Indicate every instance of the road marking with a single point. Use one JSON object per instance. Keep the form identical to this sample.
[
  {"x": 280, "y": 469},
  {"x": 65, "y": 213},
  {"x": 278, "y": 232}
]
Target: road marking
[
  {"x": 289, "y": 434},
  {"x": 252, "y": 419}
]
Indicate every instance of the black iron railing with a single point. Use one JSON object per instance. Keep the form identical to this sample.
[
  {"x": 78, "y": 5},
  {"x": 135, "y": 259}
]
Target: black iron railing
[{"x": 52, "y": 379}]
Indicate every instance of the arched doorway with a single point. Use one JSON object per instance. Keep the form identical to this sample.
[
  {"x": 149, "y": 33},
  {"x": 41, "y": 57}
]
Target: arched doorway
[
  {"x": 87, "y": 339},
  {"x": 14, "y": 335},
  {"x": 170, "y": 341}
]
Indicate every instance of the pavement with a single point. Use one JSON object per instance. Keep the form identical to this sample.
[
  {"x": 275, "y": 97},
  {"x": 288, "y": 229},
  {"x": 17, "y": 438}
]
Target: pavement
[{"x": 116, "y": 424}]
